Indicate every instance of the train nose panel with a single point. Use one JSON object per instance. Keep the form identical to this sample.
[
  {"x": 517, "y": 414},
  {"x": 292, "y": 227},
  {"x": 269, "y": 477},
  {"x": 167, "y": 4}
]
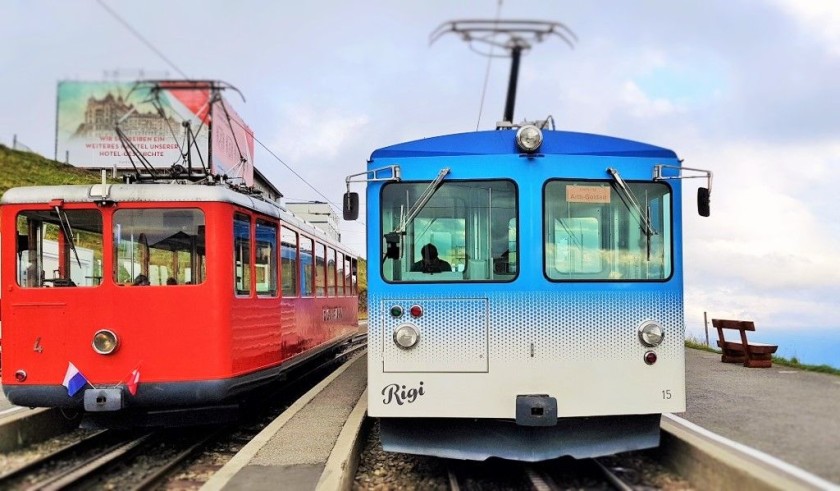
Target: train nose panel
[{"x": 452, "y": 335}]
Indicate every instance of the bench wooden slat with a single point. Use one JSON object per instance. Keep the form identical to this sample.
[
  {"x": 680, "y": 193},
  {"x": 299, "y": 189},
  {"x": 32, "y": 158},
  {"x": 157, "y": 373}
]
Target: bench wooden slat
[
  {"x": 762, "y": 348},
  {"x": 730, "y": 324},
  {"x": 750, "y": 354}
]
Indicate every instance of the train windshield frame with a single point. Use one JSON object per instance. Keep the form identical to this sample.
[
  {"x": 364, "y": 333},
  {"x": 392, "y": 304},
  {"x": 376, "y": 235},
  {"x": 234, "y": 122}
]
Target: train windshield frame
[
  {"x": 59, "y": 247},
  {"x": 594, "y": 232},
  {"x": 467, "y": 231}
]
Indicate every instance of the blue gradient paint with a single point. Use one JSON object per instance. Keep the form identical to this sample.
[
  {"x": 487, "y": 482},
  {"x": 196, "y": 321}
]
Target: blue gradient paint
[{"x": 485, "y": 340}]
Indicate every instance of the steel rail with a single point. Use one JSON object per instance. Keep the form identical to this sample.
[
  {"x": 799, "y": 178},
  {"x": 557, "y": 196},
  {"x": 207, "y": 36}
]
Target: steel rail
[
  {"x": 540, "y": 480},
  {"x": 164, "y": 471},
  {"x": 612, "y": 477},
  {"x": 87, "y": 441},
  {"x": 91, "y": 466}
]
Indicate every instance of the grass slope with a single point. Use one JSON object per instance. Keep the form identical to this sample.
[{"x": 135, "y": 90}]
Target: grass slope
[{"x": 19, "y": 168}]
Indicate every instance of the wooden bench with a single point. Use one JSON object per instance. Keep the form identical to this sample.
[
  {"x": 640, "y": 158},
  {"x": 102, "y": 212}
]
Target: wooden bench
[{"x": 753, "y": 355}]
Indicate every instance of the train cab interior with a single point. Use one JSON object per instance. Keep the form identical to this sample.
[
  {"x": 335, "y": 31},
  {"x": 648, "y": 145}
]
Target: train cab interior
[
  {"x": 61, "y": 247},
  {"x": 470, "y": 224}
]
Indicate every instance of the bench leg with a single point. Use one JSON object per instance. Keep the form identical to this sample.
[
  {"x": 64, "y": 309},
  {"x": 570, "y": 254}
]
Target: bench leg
[
  {"x": 759, "y": 362},
  {"x": 732, "y": 357}
]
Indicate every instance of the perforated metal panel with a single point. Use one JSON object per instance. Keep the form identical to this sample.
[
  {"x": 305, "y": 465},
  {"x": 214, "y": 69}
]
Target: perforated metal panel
[
  {"x": 582, "y": 325},
  {"x": 453, "y": 336},
  {"x": 526, "y": 326}
]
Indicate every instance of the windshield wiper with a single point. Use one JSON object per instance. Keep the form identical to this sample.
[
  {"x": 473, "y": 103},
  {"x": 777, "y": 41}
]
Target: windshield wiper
[
  {"x": 630, "y": 200},
  {"x": 422, "y": 200},
  {"x": 393, "y": 237},
  {"x": 632, "y": 204},
  {"x": 68, "y": 232}
]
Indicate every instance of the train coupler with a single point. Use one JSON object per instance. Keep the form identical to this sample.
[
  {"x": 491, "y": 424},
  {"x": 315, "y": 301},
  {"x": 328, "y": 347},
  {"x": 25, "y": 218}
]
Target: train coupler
[
  {"x": 97, "y": 400},
  {"x": 536, "y": 410}
]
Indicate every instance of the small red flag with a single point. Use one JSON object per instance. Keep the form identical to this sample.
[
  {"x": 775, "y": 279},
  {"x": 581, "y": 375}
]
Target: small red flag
[{"x": 132, "y": 381}]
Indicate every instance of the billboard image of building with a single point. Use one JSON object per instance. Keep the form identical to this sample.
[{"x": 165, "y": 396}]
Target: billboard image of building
[{"x": 165, "y": 123}]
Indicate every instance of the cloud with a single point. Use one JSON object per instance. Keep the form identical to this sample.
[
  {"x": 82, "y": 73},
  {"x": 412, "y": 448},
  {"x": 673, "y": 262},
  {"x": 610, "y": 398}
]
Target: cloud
[
  {"x": 316, "y": 133},
  {"x": 816, "y": 16},
  {"x": 770, "y": 247},
  {"x": 736, "y": 302},
  {"x": 640, "y": 105}
]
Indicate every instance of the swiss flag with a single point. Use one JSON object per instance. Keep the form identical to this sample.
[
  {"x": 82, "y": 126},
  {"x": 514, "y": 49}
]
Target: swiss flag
[{"x": 132, "y": 381}]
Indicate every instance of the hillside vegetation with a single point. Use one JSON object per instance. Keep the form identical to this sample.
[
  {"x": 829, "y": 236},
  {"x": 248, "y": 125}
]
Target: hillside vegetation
[{"x": 19, "y": 168}]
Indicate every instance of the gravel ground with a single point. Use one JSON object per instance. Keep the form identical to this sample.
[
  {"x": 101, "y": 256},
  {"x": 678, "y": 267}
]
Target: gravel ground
[{"x": 379, "y": 470}]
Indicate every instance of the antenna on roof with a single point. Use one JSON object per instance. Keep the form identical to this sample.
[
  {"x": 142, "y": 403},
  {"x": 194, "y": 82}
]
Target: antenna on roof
[{"x": 514, "y": 36}]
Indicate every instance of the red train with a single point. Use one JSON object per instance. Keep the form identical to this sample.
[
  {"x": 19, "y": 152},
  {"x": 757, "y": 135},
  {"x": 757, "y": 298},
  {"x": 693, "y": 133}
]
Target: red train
[{"x": 131, "y": 297}]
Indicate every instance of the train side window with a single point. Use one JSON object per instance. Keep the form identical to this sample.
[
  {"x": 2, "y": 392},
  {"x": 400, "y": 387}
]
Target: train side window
[
  {"x": 339, "y": 274},
  {"x": 242, "y": 254},
  {"x": 354, "y": 275},
  {"x": 331, "y": 272},
  {"x": 348, "y": 277},
  {"x": 59, "y": 248},
  {"x": 266, "y": 258},
  {"x": 320, "y": 270},
  {"x": 306, "y": 266},
  {"x": 288, "y": 261}
]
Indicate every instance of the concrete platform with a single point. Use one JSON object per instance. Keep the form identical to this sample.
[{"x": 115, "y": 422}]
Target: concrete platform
[
  {"x": 790, "y": 414},
  {"x": 8, "y": 410},
  {"x": 4, "y": 403},
  {"x": 292, "y": 452}
]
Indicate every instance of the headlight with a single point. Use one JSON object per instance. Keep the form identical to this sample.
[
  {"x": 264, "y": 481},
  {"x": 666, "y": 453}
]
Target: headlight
[
  {"x": 406, "y": 336},
  {"x": 529, "y": 138},
  {"x": 105, "y": 342},
  {"x": 651, "y": 334}
]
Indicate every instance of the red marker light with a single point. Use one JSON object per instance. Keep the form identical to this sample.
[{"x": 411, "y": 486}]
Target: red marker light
[
  {"x": 416, "y": 311},
  {"x": 650, "y": 357},
  {"x": 20, "y": 376}
]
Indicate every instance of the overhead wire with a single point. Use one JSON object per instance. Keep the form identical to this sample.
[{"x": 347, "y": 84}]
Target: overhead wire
[
  {"x": 148, "y": 44},
  {"x": 141, "y": 38},
  {"x": 487, "y": 72},
  {"x": 287, "y": 166}
]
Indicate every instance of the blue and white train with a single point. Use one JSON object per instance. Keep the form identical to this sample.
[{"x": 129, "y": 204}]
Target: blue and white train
[{"x": 551, "y": 321}]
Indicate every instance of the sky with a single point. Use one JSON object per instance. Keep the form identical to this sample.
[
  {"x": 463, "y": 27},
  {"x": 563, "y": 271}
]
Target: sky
[{"x": 749, "y": 89}]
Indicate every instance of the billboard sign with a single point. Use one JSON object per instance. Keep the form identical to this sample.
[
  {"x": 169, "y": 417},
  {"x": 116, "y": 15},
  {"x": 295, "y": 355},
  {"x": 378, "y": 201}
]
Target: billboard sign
[
  {"x": 161, "y": 120},
  {"x": 232, "y": 144}
]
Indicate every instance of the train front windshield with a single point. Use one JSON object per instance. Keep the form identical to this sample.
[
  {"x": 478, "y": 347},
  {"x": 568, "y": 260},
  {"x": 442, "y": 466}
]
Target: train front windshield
[
  {"x": 59, "y": 248},
  {"x": 594, "y": 232},
  {"x": 159, "y": 247},
  {"x": 150, "y": 247},
  {"x": 466, "y": 231}
]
